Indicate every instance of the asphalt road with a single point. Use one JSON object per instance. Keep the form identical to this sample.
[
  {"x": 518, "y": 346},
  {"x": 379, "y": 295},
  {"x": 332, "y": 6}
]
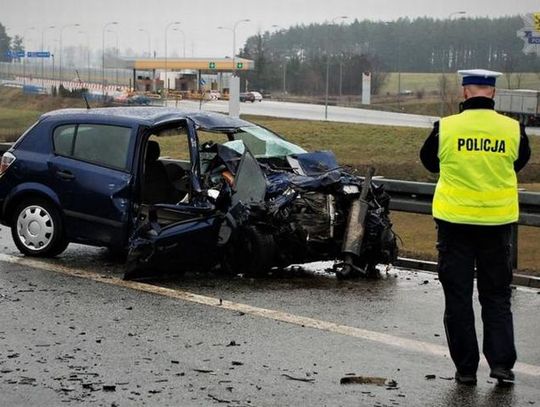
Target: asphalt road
[
  {"x": 72, "y": 332},
  {"x": 316, "y": 112}
]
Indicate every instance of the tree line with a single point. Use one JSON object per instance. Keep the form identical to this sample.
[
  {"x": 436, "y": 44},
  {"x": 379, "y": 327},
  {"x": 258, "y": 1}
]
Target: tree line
[{"x": 296, "y": 59}]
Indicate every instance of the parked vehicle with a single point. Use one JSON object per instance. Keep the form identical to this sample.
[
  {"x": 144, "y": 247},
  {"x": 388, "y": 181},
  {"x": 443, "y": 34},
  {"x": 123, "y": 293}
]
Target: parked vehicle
[
  {"x": 234, "y": 195},
  {"x": 521, "y": 104}
]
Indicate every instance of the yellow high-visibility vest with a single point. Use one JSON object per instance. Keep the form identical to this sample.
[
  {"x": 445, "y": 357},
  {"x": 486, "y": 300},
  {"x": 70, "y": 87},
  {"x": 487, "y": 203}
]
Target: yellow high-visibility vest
[{"x": 477, "y": 183}]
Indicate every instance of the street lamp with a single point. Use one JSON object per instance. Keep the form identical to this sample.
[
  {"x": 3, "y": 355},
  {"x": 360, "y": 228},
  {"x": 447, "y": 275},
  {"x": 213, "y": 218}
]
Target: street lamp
[
  {"x": 166, "y": 81},
  {"x": 333, "y": 21},
  {"x": 148, "y": 37},
  {"x": 24, "y": 58},
  {"x": 443, "y": 82},
  {"x": 284, "y": 63},
  {"x": 42, "y": 49},
  {"x": 87, "y": 51},
  {"x": 233, "y": 56},
  {"x": 183, "y": 38},
  {"x": 61, "y": 48},
  {"x": 116, "y": 56},
  {"x": 103, "y": 56}
]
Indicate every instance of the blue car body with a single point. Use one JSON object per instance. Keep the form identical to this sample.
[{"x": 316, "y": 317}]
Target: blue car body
[{"x": 87, "y": 170}]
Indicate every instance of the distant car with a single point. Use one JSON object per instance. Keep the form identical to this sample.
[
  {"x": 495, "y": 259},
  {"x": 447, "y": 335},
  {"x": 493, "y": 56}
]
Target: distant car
[
  {"x": 257, "y": 96},
  {"x": 244, "y": 199},
  {"x": 212, "y": 95},
  {"x": 251, "y": 96},
  {"x": 247, "y": 97},
  {"x": 140, "y": 100}
]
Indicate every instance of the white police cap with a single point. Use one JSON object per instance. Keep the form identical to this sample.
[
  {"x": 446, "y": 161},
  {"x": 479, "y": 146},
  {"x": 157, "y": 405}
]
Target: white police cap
[{"x": 479, "y": 77}]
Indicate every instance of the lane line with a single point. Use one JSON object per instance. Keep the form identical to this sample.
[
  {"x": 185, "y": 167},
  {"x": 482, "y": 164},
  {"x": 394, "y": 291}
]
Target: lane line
[{"x": 378, "y": 337}]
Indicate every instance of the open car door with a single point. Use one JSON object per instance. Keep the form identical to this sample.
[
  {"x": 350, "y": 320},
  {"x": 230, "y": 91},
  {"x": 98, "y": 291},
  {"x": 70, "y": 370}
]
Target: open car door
[{"x": 176, "y": 237}]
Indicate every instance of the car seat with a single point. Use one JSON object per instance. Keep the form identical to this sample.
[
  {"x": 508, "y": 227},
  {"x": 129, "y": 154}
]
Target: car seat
[{"x": 157, "y": 187}]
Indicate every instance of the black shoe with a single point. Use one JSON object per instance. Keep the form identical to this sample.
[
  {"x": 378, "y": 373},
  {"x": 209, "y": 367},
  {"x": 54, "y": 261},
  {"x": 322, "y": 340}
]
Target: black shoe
[
  {"x": 468, "y": 379},
  {"x": 502, "y": 374}
]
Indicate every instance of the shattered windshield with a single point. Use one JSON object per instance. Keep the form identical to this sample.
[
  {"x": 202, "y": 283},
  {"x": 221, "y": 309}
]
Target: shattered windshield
[{"x": 262, "y": 143}]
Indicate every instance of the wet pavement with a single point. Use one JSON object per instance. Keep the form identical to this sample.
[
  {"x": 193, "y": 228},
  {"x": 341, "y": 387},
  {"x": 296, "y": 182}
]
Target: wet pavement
[{"x": 71, "y": 340}]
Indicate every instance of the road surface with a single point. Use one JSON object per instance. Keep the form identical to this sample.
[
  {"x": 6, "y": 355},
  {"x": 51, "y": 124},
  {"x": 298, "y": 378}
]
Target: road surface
[{"x": 72, "y": 332}]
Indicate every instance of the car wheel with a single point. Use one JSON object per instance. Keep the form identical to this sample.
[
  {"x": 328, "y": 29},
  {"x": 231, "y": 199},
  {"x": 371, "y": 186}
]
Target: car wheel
[
  {"x": 251, "y": 252},
  {"x": 37, "y": 229}
]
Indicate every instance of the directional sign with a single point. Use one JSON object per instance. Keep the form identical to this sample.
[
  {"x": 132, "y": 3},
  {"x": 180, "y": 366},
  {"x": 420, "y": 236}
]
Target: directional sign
[
  {"x": 211, "y": 65},
  {"x": 239, "y": 65},
  {"x": 14, "y": 54},
  {"x": 38, "y": 54},
  {"x": 530, "y": 34}
]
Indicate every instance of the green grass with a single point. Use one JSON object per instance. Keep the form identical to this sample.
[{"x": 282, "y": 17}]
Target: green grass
[{"x": 17, "y": 118}]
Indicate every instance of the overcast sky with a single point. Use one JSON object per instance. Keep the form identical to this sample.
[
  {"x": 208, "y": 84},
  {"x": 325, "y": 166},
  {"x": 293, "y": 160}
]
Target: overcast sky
[{"x": 200, "y": 18}]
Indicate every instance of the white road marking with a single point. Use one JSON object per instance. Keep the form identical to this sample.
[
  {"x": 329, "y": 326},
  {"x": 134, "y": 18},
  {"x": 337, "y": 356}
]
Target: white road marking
[{"x": 386, "y": 339}]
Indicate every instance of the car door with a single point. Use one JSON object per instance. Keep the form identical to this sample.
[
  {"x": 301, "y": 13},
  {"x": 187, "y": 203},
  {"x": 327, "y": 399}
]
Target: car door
[
  {"x": 90, "y": 172},
  {"x": 174, "y": 236}
]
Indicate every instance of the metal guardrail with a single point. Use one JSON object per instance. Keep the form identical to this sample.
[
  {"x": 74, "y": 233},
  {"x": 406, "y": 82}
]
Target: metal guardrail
[{"x": 417, "y": 197}]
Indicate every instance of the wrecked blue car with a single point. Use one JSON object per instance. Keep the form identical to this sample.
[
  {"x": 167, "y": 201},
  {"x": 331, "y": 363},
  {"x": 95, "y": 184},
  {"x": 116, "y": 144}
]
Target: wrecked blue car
[{"x": 231, "y": 194}]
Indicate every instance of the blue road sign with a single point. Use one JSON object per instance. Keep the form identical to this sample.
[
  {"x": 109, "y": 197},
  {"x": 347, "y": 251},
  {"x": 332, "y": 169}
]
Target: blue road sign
[
  {"x": 38, "y": 54},
  {"x": 14, "y": 54},
  {"x": 531, "y": 39}
]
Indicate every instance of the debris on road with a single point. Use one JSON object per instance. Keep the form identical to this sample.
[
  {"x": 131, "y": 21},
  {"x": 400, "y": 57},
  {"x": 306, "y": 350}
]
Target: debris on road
[
  {"x": 430, "y": 376},
  {"x": 377, "y": 381},
  {"x": 299, "y": 379}
]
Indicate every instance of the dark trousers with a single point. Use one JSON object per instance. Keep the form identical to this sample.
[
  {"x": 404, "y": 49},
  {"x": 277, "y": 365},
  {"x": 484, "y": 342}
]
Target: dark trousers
[{"x": 461, "y": 248}]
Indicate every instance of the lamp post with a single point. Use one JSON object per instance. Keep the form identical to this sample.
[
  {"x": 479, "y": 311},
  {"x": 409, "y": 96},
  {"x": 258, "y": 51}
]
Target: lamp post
[
  {"x": 103, "y": 55},
  {"x": 443, "y": 81},
  {"x": 284, "y": 64},
  {"x": 42, "y": 49},
  {"x": 148, "y": 38},
  {"x": 87, "y": 51},
  {"x": 61, "y": 47},
  {"x": 235, "y": 25},
  {"x": 333, "y": 21},
  {"x": 116, "y": 56},
  {"x": 166, "y": 81},
  {"x": 24, "y": 58},
  {"x": 184, "y": 40}
]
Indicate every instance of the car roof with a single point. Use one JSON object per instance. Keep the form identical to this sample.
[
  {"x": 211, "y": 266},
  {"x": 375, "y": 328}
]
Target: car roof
[{"x": 149, "y": 116}]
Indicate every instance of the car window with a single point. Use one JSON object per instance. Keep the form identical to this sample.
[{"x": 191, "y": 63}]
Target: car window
[
  {"x": 100, "y": 144},
  {"x": 63, "y": 140}
]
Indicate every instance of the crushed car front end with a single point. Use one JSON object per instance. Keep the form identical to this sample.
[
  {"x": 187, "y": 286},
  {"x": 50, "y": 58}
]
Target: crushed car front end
[{"x": 272, "y": 204}]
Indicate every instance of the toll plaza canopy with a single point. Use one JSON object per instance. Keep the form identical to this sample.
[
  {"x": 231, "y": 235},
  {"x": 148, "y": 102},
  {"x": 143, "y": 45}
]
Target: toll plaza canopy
[{"x": 176, "y": 64}]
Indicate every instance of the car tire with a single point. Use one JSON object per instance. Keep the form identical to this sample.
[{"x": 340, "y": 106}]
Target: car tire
[
  {"x": 37, "y": 229},
  {"x": 251, "y": 252}
]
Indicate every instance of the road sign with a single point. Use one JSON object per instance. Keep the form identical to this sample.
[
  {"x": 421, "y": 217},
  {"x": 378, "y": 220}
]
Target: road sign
[
  {"x": 211, "y": 65},
  {"x": 38, "y": 54},
  {"x": 239, "y": 65},
  {"x": 530, "y": 33},
  {"x": 14, "y": 54}
]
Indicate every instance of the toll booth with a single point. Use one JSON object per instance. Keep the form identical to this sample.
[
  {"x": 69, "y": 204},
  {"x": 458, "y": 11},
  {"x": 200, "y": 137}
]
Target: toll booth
[{"x": 181, "y": 74}]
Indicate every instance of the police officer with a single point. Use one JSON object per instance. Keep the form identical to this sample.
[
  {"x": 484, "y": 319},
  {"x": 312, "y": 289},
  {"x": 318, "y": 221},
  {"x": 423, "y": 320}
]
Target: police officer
[{"x": 477, "y": 154}]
